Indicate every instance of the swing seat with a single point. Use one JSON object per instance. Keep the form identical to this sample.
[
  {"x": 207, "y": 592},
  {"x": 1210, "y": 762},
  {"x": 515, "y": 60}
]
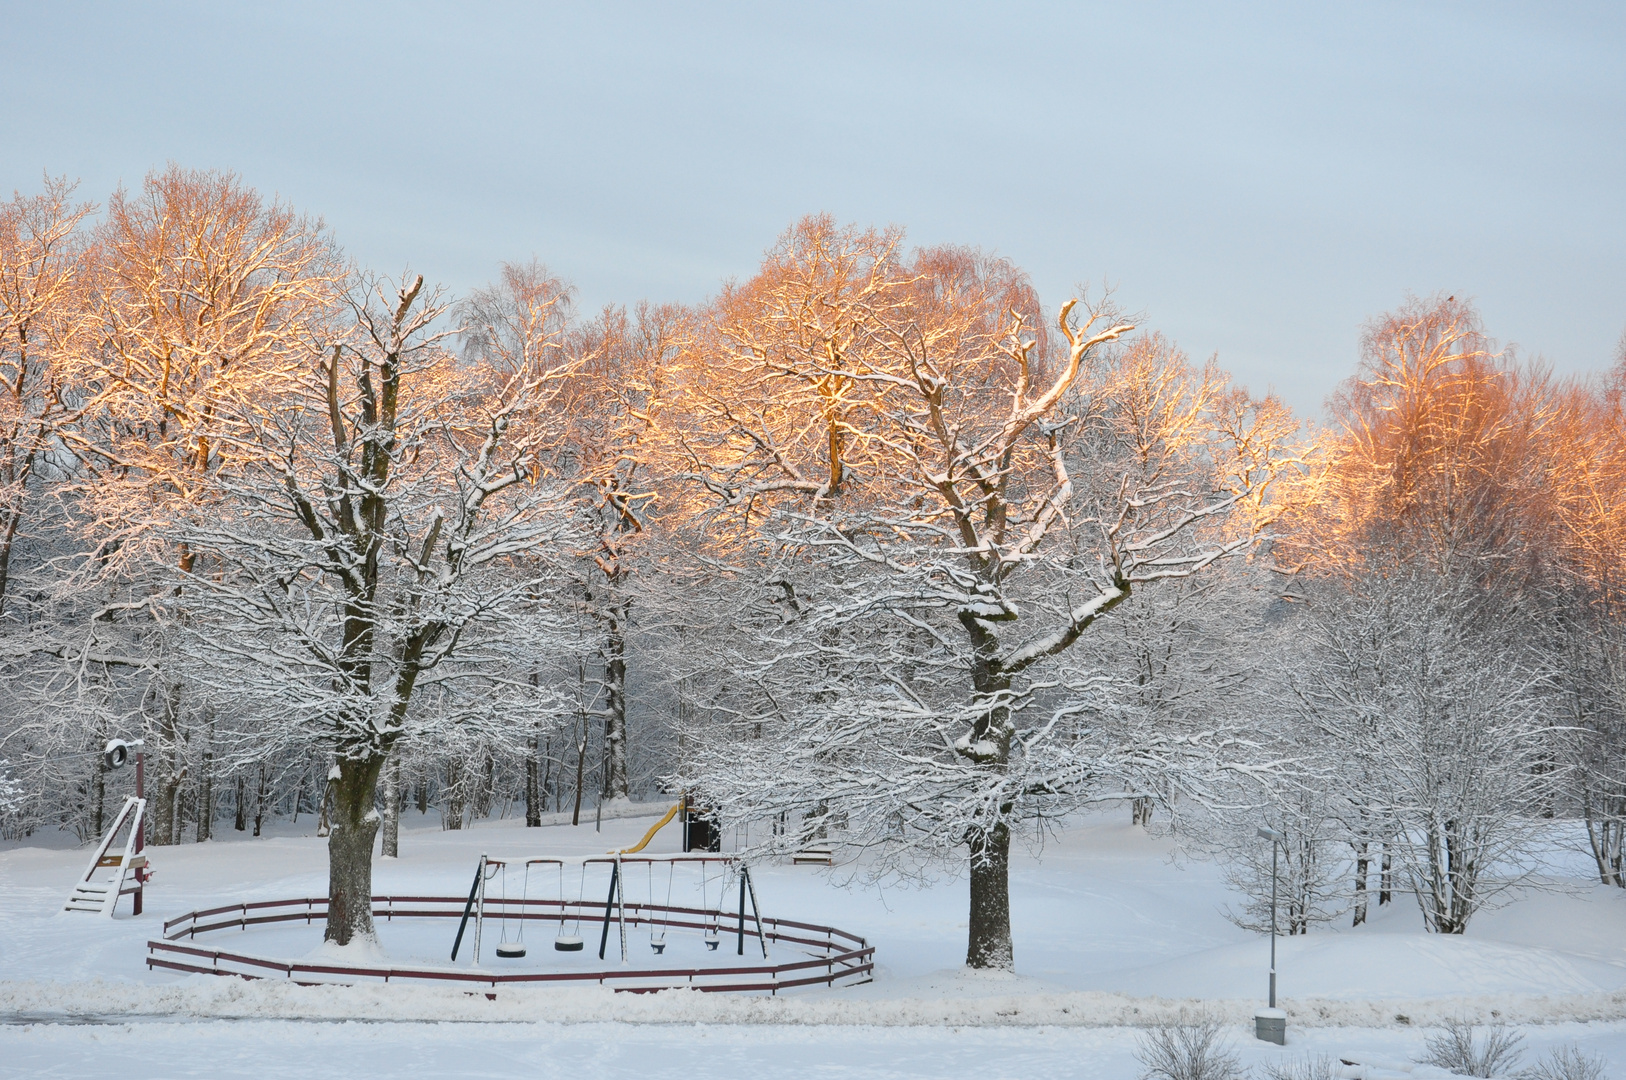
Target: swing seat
[
  {"x": 510, "y": 952},
  {"x": 712, "y": 941},
  {"x": 658, "y": 944},
  {"x": 568, "y": 943}
]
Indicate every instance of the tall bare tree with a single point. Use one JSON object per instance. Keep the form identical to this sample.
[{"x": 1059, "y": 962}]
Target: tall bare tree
[{"x": 375, "y": 568}]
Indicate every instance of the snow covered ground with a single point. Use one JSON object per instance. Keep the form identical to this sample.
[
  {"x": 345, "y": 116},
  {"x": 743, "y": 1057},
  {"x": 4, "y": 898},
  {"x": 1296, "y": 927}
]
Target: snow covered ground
[{"x": 1112, "y": 933}]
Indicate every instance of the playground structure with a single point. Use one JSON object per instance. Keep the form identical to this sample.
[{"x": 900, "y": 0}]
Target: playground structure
[
  {"x": 820, "y": 955},
  {"x": 103, "y": 882},
  {"x": 562, "y": 893},
  {"x": 559, "y": 909}
]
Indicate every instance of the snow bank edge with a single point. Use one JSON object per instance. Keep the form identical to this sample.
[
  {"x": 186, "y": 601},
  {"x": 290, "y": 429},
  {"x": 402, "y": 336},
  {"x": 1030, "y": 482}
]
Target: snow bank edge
[{"x": 233, "y": 999}]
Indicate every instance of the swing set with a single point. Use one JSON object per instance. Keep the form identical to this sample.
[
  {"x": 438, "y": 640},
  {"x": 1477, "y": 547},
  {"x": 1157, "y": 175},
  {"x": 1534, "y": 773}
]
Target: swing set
[{"x": 550, "y": 877}]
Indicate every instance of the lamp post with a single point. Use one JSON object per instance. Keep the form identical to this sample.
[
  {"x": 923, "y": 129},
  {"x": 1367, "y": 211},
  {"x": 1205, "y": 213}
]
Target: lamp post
[{"x": 1270, "y": 1024}]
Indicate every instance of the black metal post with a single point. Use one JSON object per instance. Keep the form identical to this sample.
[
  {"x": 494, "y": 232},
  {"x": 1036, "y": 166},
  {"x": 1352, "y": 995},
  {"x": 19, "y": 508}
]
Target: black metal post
[{"x": 609, "y": 904}]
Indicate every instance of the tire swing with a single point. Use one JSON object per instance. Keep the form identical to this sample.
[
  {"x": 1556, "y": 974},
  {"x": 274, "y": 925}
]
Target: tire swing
[
  {"x": 657, "y": 942},
  {"x": 570, "y": 942},
  {"x": 712, "y": 938},
  {"x": 513, "y": 950}
]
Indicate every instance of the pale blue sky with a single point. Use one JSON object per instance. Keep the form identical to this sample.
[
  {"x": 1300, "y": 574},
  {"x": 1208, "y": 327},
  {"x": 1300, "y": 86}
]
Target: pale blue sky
[{"x": 1257, "y": 180}]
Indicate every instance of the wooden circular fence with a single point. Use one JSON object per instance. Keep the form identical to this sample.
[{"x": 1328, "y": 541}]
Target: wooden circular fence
[{"x": 827, "y": 956}]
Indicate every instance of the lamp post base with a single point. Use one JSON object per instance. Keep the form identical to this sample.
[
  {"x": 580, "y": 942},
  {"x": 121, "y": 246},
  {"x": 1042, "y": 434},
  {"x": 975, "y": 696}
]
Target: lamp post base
[{"x": 1270, "y": 1025}]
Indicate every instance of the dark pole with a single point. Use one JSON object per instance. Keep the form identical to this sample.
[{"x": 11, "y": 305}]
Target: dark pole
[
  {"x": 474, "y": 890},
  {"x": 609, "y": 905},
  {"x": 141, "y": 829},
  {"x": 1273, "y": 853},
  {"x": 740, "y": 951}
]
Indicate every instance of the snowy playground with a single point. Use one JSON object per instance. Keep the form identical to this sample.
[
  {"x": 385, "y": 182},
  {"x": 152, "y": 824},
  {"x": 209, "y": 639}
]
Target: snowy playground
[{"x": 1115, "y": 931}]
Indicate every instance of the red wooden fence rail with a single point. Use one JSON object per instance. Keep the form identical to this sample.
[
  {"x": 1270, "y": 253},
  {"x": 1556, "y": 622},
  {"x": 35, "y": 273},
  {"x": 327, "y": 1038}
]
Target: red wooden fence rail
[{"x": 843, "y": 957}]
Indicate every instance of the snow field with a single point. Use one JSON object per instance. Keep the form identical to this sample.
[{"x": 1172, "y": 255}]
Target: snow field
[{"x": 1112, "y": 933}]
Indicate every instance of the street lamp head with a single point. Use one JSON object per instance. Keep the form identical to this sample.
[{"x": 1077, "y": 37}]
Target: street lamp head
[{"x": 1272, "y": 835}]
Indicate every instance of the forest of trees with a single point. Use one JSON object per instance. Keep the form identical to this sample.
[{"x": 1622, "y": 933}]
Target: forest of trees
[{"x": 871, "y": 549}]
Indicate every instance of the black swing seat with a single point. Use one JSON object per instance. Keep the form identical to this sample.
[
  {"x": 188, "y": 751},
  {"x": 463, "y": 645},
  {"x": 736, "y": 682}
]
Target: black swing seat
[
  {"x": 712, "y": 941},
  {"x": 510, "y": 952},
  {"x": 658, "y": 944},
  {"x": 568, "y": 943}
]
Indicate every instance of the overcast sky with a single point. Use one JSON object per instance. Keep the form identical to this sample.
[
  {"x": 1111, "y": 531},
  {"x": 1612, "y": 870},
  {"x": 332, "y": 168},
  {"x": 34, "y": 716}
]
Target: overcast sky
[{"x": 1255, "y": 180}]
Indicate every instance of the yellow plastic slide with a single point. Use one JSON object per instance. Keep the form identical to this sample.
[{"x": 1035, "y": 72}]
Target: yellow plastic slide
[{"x": 650, "y": 835}]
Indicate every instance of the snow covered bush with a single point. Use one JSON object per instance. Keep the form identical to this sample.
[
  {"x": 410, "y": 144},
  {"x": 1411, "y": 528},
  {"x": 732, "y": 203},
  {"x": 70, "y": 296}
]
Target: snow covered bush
[
  {"x": 1566, "y": 1063},
  {"x": 1193, "y": 1048},
  {"x": 1319, "y": 1067},
  {"x": 1458, "y": 1047}
]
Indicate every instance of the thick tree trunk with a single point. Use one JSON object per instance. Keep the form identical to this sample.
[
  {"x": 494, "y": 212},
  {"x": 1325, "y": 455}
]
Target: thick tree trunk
[
  {"x": 390, "y": 847},
  {"x": 989, "y": 944},
  {"x": 354, "y": 827},
  {"x": 1140, "y": 811},
  {"x": 239, "y": 820}
]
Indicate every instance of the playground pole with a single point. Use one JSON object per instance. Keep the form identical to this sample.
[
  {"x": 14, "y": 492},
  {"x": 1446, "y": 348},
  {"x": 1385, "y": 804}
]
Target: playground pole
[{"x": 141, "y": 830}]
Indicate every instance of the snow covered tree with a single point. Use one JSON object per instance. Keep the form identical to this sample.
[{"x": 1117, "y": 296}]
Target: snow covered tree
[
  {"x": 976, "y": 509},
  {"x": 43, "y": 309},
  {"x": 1427, "y": 694},
  {"x": 376, "y": 567},
  {"x": 198, "y": 294}
]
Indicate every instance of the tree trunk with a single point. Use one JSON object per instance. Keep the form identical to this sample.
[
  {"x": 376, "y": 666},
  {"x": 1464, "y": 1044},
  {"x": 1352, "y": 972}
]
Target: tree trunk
[
  {"x": 101, "y": 790},
  {"x": 533, "y": 807},
  {"x": 169, "y": 769},
  {"x": 1362, "y": 860},
  {"x": 451, "y": 796},
  {"x": 615, "y": 710},
  {"x": 324, "y": 819},
  {"x": 581, "y": 760},
  {"x": 239, "y": 820},
  {"x": 485, "y": 786},
  {"x": 1140, "y": 812},
  {"x": 261, "y": 791},
  {"x": 390, "y": 848},
  {"x": 549, "y": 779},
  {"x": 206, "y": 794},
  {"x": 8, "y": 539},
  {"x": 989, "y": 943},
  {"x": 354, "y": 827}
]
